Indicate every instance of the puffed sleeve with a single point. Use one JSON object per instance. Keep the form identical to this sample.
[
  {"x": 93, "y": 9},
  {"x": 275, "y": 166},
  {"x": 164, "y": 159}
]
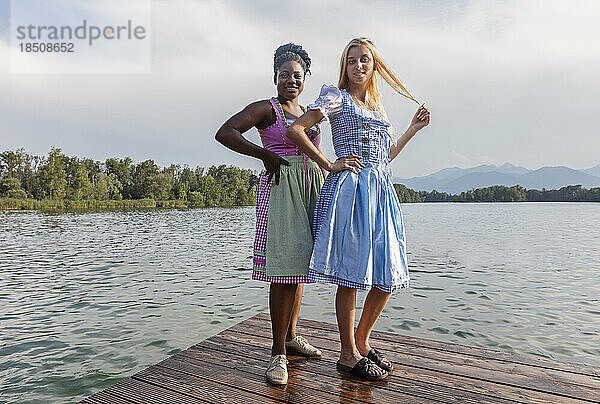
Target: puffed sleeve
[{"x": 329, "y": 101}]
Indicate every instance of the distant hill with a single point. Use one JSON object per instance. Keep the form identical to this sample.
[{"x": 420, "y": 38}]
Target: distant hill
[
  {"x": 556, "y": 177},
  {"x": 478, "y": 180},
  {"x": 595, "y": 171},
  {"x": 455, "y": 180}
]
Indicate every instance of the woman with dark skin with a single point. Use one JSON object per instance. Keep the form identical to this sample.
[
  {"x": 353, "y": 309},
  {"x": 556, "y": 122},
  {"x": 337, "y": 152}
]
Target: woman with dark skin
[{"x": 281, "y": 250}]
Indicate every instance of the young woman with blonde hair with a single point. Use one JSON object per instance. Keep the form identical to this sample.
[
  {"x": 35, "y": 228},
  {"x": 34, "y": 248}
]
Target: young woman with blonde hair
[{"x": 358, "y": 226}]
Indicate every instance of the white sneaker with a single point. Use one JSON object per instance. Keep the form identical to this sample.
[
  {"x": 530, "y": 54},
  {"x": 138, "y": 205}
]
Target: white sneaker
[
  {"x": 277, "y": 371},
  {"x": 301, "y": 346}
]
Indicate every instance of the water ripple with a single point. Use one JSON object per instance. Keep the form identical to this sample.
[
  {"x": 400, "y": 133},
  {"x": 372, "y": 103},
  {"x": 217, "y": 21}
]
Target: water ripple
[{"x": 90, "y": 298}]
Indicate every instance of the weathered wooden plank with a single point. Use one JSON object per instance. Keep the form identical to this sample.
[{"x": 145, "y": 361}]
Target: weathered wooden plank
[
  {"x": 229, "y": 368},
  {"x": 327, "y": 386},
  {"x": 461, "y": 385},
  {"x": 252, "y": 383},
  {"x": 579, "y": 368},
  {"x": 318, "y": 389},
  {"x": 552, "y": 376},
  {"x": 173, "y": 374},
  {"x": 322, "y": 374},
  {"x": 462, "y": 388},
  {"x": 555, "y": 382},
  {"x": 454, "y": 367},
  {"x": 137, "y": 391},
  {"x": 102, "y": 397}
]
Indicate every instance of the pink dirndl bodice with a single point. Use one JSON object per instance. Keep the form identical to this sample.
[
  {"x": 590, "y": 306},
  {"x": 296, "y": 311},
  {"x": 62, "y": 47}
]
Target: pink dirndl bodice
[{"x": 274, "y": 139}]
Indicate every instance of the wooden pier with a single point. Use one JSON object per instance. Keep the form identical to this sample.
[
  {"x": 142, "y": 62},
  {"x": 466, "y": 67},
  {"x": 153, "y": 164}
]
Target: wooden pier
[{"x": 229, "y": 368}]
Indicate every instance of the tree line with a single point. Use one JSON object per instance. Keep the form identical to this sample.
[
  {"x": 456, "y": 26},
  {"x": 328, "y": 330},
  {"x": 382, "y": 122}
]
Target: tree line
[
  {"x": 57, "y": 181},
  {"x": 500, "y": 193},
  {"x": 57, "y": 177}
]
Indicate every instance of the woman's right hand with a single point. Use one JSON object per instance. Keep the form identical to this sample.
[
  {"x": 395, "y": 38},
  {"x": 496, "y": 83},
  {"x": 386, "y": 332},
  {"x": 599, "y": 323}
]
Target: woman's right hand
[
  {"x": 272, "y": 163},
  {"x": 351, "y": 163}
]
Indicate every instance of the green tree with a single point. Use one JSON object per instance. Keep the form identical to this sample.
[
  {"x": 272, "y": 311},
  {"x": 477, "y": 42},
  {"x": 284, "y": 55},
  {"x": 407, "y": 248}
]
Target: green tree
[
  {"x": 10, "y": 187},
  {"x": 107, "y": 186},
  {"x": 122, "y": 171},
  {"x": 435, "y": 196},
  {"x": 160, "y": 186},
  {"x": 79, "y": 185},
  {"x": 53, "y": 177},
  {"x": 142, "y": 179},
  {"x": 196, "y": 199},
  {"x": 10, "y": 162},
  {"x": 182, "y": 190},
  {"x": 406, "y": 195},
  {"x": 188, "y": 177},
  {"x": 212, "y": 191}
]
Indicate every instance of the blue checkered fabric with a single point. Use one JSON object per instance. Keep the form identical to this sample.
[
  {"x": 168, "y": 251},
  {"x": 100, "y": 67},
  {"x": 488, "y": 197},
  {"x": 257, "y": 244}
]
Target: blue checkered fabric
[
  {"x": 356, "y": 133},
  {"x": 349, "y": 130},
  {"x": 319, "y": 277},
  {"x": 360, "y": 135}
]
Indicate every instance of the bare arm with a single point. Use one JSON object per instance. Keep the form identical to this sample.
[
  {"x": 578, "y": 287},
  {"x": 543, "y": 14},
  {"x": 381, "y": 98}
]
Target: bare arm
[
  {"x": 419, "y": 121},
  {"x": 230, "y": 135},
  {"x": 401, "y": 143},
  {"x": 297, "y": 134}
]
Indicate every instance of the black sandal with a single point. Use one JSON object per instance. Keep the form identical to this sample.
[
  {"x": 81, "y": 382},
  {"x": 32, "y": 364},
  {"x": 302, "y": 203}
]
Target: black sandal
[
  {"x": 362, "y": 370},
  {"x": 378, "y": 358}
]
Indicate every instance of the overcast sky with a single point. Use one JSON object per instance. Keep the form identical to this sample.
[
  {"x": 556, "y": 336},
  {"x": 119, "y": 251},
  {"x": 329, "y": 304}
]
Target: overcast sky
[{"x": 506, "y": 81}]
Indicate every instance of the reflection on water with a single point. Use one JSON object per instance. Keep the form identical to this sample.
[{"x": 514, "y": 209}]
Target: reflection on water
[{"x": 90, "y": 298}]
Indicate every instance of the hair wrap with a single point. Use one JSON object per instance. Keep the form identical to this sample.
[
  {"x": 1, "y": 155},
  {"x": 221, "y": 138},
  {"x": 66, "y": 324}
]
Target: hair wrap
[{"x": 291, "y": 52}]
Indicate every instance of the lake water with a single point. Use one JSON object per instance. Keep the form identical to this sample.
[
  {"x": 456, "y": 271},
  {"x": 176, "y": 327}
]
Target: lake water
[{"x": 90, "y": 298}]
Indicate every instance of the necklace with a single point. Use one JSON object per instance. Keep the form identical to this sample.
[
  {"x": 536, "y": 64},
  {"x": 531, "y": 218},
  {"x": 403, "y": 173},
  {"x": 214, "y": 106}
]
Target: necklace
[{"x": 312, "y": 133}]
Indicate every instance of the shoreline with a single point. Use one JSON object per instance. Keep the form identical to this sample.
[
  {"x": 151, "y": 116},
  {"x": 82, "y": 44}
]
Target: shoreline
[
  {"x": 65, "y": 205},
  {"x": 92, "y": 204}
]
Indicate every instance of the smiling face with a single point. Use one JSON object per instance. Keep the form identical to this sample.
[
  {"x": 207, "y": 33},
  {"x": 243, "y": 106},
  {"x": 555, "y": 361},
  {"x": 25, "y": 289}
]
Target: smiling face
[
  {"x": 360, "y": 65},
  {"x": 290, "y": 80}
]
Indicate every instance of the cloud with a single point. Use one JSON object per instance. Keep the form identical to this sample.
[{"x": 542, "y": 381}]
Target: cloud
[
  {"x": 505, "y": 80},
  {"x": 209, "y": 39},
  {"x": 71, "y": 20}
]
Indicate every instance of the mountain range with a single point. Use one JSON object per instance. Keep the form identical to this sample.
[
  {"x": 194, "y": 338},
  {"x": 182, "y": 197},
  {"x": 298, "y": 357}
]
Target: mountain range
[{"x": 456, "y": 180}]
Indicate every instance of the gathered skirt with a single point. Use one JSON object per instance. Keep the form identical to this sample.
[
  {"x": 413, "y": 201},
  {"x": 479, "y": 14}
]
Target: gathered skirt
[
  {"x": 284, "y": 220},
  {"x": 359, "y": 232}
]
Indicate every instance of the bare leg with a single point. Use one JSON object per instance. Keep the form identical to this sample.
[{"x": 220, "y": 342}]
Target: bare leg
[
  {"x": 281, "y": 302},
  {"x": 374, "y": 304},
  {"x": 291, "y": 332},
  {"x": 345, "y": 302}
]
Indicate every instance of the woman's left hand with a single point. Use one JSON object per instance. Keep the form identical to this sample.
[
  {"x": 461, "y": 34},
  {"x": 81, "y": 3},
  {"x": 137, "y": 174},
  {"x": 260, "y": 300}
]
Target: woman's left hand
[{"x": 421, "y": 119}]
